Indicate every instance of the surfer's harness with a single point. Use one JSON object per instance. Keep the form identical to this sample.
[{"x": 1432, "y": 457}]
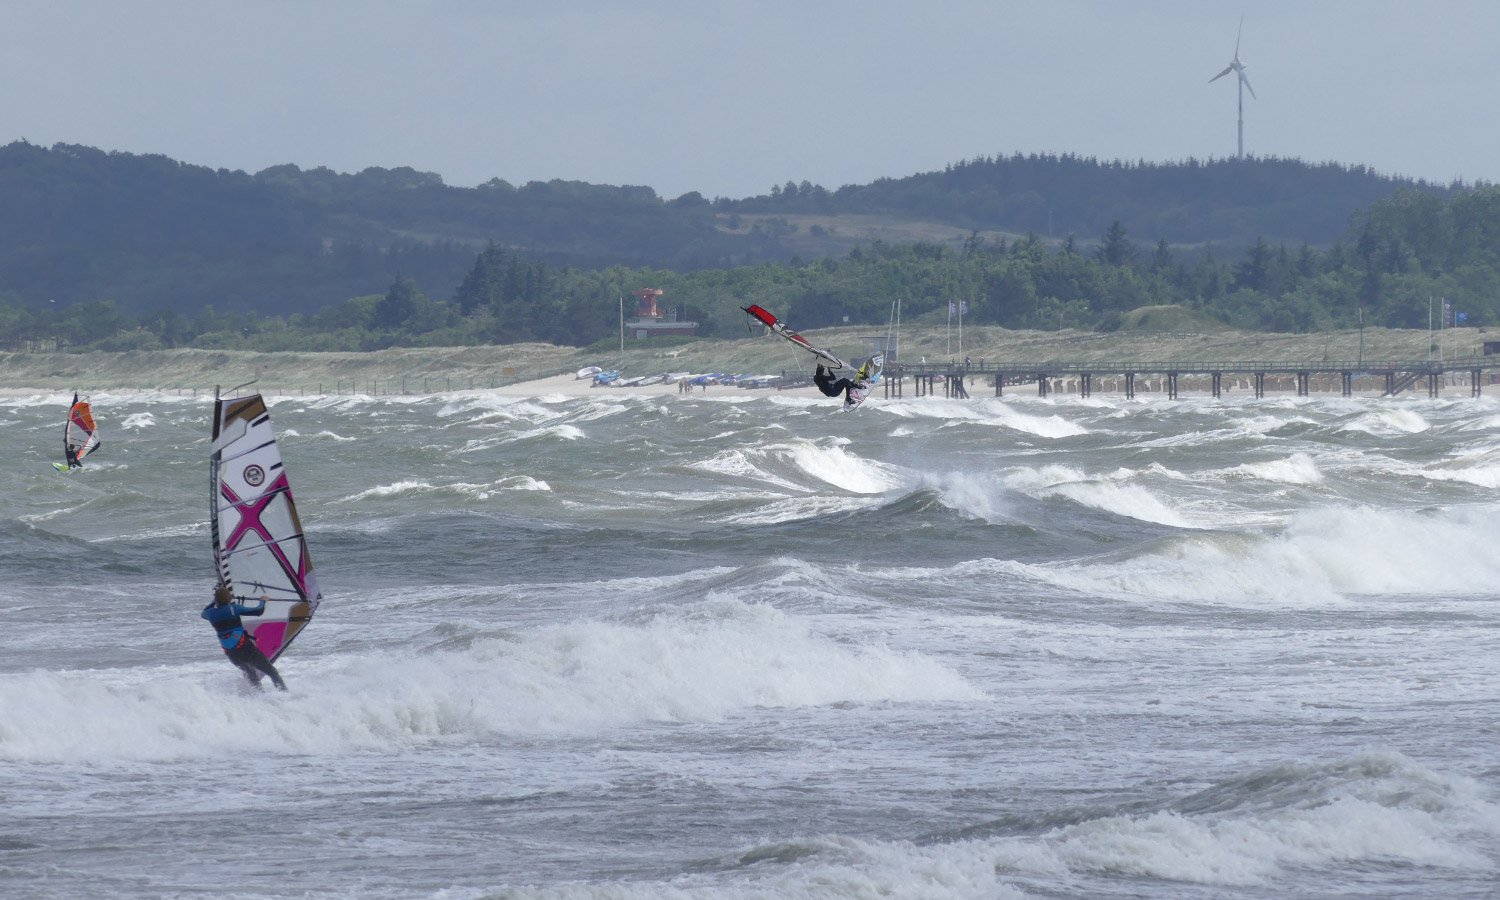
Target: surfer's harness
[
  {"x": 231, "y": 632},
  {"x": 230, "y": 629}
]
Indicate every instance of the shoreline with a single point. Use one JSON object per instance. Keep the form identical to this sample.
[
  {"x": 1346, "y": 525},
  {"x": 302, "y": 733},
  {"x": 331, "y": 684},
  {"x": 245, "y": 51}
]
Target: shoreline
[
  {"x": 1106, "y": 387},
  {"x": 532, "y": 369}
]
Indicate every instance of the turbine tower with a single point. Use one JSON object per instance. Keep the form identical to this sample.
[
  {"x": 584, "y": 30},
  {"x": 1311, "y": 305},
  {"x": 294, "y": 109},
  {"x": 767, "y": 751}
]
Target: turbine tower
[{"x": 1238, "y": 68}]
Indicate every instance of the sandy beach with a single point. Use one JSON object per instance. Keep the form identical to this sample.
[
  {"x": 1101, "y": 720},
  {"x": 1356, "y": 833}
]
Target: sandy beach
[
  {"x": 572, "y": 386},
  {"x": 545, "y": 369}
]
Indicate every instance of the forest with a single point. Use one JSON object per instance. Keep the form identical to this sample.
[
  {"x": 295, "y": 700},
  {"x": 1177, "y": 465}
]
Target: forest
[{"x": 116, "y": 251}]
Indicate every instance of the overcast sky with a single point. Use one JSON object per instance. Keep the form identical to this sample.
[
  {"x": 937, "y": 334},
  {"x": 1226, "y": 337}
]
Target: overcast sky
[{"x": 728, "y": 97}]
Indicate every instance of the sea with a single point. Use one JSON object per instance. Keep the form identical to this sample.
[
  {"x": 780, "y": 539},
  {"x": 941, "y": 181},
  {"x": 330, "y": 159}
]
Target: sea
[{"x": 742, "y": 644}]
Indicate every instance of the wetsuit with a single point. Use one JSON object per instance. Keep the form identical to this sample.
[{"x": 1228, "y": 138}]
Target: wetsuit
[
  {"x": 828, "y": 385},
  {"x": 853, "y": 391},
  {"x": 237, "y": 644},
  {"x": 71, "y": 456}
]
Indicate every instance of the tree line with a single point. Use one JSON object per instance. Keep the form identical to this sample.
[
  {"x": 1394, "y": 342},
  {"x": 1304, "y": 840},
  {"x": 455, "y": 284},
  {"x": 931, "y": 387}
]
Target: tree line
[
  {"x": 1233, "y": 201},
  {"x": 80, "y": 225},
  {"x": 1394, "y": 258}
]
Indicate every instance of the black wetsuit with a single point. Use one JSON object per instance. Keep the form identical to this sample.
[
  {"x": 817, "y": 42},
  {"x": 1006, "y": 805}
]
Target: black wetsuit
[
  {"x": 825, "y": 381},
  {"x": 237, "y": 644}
]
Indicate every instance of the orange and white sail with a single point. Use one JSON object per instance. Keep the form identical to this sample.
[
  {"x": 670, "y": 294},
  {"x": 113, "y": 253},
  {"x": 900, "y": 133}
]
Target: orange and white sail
[{"x": 80, "y": 435}]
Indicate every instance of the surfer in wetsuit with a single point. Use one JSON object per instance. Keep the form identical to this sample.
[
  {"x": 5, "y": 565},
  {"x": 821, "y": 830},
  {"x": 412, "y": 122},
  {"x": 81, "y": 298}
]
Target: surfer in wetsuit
[
  {"x": 853, "y": 390},
  {"x": 71, "y": 455},
  {"x": 224, "y": 615},
  {"x": 826, "y": 383}
]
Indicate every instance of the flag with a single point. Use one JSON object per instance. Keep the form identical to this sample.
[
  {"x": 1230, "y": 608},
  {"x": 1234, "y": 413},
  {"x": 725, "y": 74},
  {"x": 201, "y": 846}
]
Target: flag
[
  {"x": 951, "y": 309},
  {"x": 963, "y": 307}
]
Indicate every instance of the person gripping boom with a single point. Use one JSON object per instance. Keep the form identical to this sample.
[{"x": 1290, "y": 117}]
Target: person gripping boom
[
  {"x": 224, "y": 615},
  {"x": 854, "y": 389}
]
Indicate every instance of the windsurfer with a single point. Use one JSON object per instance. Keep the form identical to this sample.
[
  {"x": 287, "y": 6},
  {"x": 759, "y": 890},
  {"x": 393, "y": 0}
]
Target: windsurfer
[
  {"x": 71, "y": 455},
  {"x": 854, "y": 390},
  {"x": 224, "y": 615},
  {"x": 830, "y": 386}
]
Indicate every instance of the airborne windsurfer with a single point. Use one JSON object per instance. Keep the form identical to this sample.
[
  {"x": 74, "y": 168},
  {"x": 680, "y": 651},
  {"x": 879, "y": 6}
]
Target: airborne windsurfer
[
  {"x": 854, "y": 390},
  {"x": 224, "y": 615},
  {"x": 823, "y": 378}
]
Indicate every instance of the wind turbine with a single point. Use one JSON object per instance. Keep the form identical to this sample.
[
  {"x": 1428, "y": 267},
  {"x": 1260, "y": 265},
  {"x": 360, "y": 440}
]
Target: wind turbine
[{"x": 1238, "y": 68}]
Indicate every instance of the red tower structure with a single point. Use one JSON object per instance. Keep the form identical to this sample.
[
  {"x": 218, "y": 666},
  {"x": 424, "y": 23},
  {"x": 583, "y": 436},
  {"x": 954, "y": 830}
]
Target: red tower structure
[
  {"x": 645, "y": 308},
  {"x": 652, "y": 321}
]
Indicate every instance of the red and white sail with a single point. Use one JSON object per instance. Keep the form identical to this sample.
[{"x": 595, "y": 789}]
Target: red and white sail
[{"x": 771, "y": 322}]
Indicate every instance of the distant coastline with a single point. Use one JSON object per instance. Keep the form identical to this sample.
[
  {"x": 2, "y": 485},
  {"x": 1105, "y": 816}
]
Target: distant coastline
[{"x": 426, "y": 370}]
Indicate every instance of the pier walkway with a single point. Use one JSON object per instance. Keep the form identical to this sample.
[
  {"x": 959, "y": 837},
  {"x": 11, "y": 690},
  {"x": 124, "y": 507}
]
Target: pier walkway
[{"x": 1390, "y": 377}]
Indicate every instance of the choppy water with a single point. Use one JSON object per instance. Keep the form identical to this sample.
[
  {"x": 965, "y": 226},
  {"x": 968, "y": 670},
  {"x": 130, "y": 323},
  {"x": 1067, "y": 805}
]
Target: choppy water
[{"x": 746, "y": 646}]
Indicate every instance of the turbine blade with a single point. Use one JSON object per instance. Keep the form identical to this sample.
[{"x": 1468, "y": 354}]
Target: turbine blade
[
  {"x": 1237, "y": 33},
  {"x": 1226, "y": 71},
  {"x": 1246, "y": 82}
]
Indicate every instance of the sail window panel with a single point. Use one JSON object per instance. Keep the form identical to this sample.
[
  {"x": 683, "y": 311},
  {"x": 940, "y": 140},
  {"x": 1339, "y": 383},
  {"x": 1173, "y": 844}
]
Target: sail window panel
[
  {"x": 259, "y": 571},
  {"x": 229, "y": 518},
  {"x": 277, "y": 518}
]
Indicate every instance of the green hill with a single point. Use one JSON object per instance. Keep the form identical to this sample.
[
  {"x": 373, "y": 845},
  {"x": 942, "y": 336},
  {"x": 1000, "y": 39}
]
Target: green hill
[{"x": 79, "y": 224}]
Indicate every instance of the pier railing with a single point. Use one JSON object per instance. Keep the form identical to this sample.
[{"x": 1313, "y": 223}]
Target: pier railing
[{"x": 1397, "y": 375}]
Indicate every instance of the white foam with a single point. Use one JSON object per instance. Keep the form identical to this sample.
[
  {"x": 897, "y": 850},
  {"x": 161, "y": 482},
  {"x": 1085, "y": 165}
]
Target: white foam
[
  {"x": 1389, "y": 420},
  {"x": 1262, "y": 425},
  {"x": 1379, "y": 807},
  {"x": 1379, "y": 810},
  {"x": 697, "y": 664},
  {"x": 319, "y": 435},
  {"x": 1320, "y": 557},
  {"x": 412, "y": 487},
  {"x": 1298, "y": 468},
  {"x": 480, "y": 409},
  {"x": 978, "y": 495},
  {"x": 1107, "y": 493},
  {"x": 827, "y": 463},
  {"x": 989, "y": 411},
  {"x": 794, "y": 509}
]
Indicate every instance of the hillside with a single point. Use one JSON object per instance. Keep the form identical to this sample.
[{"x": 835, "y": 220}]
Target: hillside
[
  {"x": 1193, "y": 202},
  {"x": 79, "y": 224}
]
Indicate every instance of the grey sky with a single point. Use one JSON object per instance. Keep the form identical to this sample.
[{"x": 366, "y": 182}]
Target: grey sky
[{"x": 728, "y": 97}]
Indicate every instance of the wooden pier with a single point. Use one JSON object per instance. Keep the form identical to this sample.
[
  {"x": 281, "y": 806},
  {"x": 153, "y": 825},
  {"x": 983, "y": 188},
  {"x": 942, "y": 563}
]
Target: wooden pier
[{"x": 1391, "y": 377}]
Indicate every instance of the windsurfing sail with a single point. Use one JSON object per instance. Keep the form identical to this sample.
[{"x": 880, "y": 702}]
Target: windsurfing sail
[
  {"x": 771, "y": 322},
  {"x": 259, "y": 547},
  {"x": 80, "y": 436}
]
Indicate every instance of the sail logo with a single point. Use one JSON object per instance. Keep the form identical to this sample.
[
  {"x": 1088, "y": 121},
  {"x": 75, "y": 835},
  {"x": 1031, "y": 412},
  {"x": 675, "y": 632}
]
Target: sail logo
[{"x": 254, "y": 475}]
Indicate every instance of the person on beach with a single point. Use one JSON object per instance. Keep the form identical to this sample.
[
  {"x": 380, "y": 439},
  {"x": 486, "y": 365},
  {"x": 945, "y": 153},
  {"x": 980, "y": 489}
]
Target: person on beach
[{"x": 224, "y": 615}]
